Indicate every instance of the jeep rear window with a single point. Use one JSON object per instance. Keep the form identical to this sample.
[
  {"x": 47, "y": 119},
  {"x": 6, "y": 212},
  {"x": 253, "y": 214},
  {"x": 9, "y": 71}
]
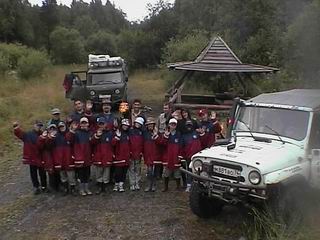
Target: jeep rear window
[
  {"x": 288, "y": 123},
  {"x": 103, "y": 78}
]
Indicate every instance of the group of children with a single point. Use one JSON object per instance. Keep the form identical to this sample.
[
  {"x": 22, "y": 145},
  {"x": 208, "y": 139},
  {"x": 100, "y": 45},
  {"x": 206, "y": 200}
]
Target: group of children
[{"x": 113, "y": 147}]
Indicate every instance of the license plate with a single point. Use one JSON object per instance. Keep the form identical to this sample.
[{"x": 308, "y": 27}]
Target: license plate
[
  {"x": 226, "y": 171},
  {"x": 104, "y": 96}
]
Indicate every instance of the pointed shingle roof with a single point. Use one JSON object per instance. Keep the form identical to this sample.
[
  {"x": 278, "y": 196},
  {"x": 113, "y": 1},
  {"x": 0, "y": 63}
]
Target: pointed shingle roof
[{"x": 218, "y": 57}]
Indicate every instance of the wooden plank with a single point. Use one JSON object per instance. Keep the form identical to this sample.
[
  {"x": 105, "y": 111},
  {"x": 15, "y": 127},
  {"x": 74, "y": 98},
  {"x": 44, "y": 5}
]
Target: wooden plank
[{"x": 198, "y": 106}]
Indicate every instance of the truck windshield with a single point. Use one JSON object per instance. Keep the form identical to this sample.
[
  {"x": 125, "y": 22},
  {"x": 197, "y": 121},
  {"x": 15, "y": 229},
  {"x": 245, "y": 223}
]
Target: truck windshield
[
  {"x": 103, "y": 78},
  {"x": 288, "y": 123}
]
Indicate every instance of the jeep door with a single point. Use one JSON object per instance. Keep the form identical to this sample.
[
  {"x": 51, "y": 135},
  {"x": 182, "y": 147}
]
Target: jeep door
[{"x": 314, "y": 151}]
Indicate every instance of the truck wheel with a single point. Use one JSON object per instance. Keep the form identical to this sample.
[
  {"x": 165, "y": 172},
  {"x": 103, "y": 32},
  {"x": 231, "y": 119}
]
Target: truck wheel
[
  {"x": 201, "y": 205},
  {"x": 288, "y": 205}
]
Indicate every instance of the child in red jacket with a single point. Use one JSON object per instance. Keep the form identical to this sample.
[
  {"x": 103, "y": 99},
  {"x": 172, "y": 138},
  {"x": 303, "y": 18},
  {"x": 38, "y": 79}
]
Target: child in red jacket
[
  {"x": 80, "y": 138},
  {"x": 62, "y": 159},
  {"x": 136, "y": 148},
  {"x": 151, "y": 153},
  {"x": 31, "y": 154},
  {"x": 172, "y": 139},
  {"x": 102, "y": 154},
  {"x": 121, "y": 142},
  {"x": 191, "y": 145}
]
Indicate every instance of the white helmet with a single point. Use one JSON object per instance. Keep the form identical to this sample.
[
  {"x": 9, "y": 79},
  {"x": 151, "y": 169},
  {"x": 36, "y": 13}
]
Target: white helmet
[{"x": 139, "y": 120}]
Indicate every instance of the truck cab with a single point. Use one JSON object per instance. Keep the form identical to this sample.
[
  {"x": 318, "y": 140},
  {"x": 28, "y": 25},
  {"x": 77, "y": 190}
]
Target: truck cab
[
  {"x": 271, "y": 157},
  {"x": 106, "y": 77}
]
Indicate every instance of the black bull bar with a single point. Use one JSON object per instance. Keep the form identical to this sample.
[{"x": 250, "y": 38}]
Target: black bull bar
[{"x": 206, "y": 179}]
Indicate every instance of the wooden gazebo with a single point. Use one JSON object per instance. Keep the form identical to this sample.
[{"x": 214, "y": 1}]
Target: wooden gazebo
[{"x": 217, "y": 57}]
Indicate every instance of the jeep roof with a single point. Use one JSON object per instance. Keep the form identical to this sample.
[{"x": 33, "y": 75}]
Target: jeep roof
[{"x": 301, "y": 98}]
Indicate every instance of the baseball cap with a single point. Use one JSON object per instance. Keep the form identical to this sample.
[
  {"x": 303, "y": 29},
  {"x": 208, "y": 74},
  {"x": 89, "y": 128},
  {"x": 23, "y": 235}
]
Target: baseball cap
[
  {"x": 61, "y": 124},
  {"x": 51, "y": 126},
  {"x": 106, "y": 101},
  {"x": 125, "y": 121},
  {"x": 139, "y": 120},
  {"x": 84, "y": 119},
  {"x": 150, "y": 120},
  {"x": 173, "y": 120},
  {"x": 101, "y": 120},
  {"x": 55, "y": 111},
  {"x": 38, "y": 123}
]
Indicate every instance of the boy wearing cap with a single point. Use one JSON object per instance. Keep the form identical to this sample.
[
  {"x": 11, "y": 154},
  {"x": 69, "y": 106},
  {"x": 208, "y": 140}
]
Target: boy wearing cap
[
  {"x": 31, "y": 154},
  {"x": 136, "y": 148},
  {"x": 121, "y": 142},
  {"x": 62, "y": 158},
  {"x": 191, "y": 145},
  {"x": 151, "y": 153},
  {"x": 80, "y": 138},
  {"x": 102, "y": 154},
  {"x": 173, "y": 141},
  {"x": 55, "y": 113}
]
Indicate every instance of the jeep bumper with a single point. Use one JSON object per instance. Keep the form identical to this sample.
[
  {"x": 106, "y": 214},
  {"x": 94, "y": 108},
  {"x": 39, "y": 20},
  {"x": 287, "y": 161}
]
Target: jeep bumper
[{"x": 227, "y": 191}]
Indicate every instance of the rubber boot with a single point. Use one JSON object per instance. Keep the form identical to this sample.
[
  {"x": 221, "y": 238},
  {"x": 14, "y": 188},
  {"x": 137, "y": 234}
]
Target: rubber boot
[
  {"x": 73, "y": 190},
  {"x": 81, "y": 190},
  {"x": 166, "y": 184},
  {"x": 184, "y": 180},
  {"x": 86, "y": 189},
  {"x": 178, "y": 184},
  {"x": 99, "y": 188}
]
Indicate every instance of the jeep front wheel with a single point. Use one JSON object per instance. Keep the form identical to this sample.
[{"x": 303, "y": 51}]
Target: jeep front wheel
[{"x": 201, "y": 205}]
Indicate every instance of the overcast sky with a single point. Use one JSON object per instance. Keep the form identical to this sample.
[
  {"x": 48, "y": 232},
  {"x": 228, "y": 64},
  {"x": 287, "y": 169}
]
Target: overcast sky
[{"x": 135, "y": 9}]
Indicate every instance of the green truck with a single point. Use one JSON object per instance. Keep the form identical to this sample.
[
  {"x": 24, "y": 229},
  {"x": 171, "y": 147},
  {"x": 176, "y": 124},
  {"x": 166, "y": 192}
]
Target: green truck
[{"x": 106, "y": 77}]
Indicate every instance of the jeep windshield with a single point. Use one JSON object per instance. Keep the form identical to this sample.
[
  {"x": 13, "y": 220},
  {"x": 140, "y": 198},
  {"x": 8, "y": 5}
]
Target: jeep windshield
[
  {"x": 105, "y": 78},
  {"x": 275, "y": 121}
]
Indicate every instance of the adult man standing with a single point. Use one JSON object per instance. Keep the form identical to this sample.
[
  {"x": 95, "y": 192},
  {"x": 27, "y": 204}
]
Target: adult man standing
[
  {"x": 164, "y": 117},
  {"x": 136, "y": 111},
  {"x": 78, "y": 112},
  {"x": 106, "y": 113}
]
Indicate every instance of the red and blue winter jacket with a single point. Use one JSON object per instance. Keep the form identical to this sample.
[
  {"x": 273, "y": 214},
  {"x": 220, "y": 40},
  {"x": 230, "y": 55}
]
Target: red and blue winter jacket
[
  {"x": 173, "y": 150},
  {"x": 191, "y": 144},
  {"x": 62, "y": 152},
  {"x": 31, "y": 152},
  {"x": 102, "y": 149},
  {"x": 136, "y": 143},
  {"x": 80, "y": 139},
  {"x": 122, "y": 149},
  {"x": 151, "y": 154}
]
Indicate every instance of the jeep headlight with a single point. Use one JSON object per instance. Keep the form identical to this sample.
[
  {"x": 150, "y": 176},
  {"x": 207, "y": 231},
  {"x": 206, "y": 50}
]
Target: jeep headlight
[
  {"x": 117, "y": 91},
  {"x": 254, "y": 177},
  {"x": 92, "y": 93},
  {"x": 197, "y": 165}
]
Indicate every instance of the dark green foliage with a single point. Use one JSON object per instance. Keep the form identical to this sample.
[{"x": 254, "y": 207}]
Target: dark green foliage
[
  {"x": 67, "y": 46},
  {"x": 280, "y": 33},
  {"x": 101, "y": 43}
]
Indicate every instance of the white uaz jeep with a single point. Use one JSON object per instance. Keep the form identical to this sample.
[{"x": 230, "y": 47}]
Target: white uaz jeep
[{"x": 272, "y": 156}]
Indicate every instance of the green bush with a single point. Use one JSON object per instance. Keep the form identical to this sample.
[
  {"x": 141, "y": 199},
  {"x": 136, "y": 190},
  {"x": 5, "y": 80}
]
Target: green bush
[
  {"x": 32, "y": 65},
  {"x": 67, "y": 46},
  {"x": 185, "y": 49},
  {"x": 13, "y": 52},
  {"x": 4, "y": 64}
]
